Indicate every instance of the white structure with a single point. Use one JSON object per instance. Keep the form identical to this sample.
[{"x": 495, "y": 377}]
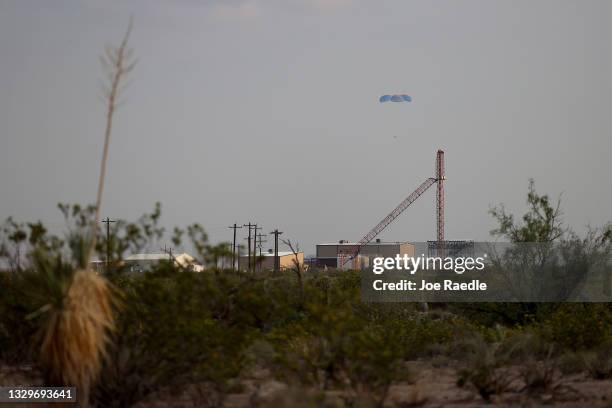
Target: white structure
[{"x": 144, "y": 262}]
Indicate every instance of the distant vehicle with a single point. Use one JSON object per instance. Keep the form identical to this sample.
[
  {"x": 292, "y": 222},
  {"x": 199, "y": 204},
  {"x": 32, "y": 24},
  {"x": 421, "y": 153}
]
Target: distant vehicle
[{"x": 395, "y": 98}]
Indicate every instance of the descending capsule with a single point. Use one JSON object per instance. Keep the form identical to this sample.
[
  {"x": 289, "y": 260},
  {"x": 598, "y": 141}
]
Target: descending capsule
[{"x": 395, "y": 98}]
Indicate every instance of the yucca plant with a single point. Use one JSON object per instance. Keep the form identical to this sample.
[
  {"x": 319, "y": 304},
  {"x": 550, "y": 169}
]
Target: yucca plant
[
  {"x": 75, "y": 305},
  {"x": 75, "y": 309}
]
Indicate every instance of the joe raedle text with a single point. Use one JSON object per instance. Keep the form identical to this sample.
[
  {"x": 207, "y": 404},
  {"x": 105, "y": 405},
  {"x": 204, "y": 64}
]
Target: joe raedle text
[
  {"x": 425, "y": 286},
  {"x": 429, "y": 266}
]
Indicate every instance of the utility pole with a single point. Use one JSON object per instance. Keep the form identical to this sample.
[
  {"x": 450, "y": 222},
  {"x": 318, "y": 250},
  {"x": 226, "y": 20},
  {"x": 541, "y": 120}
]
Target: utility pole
[
  {"x": 255, "y": 228},
  {"x": 239, "y": 253},
  {"x": 276, "y": 233},
  {"x": 235, "y": 227},
  {"x": 260, "y": 243},
  {"x": 249, "y": 244},
  {"x": 168, "y": 251},
  {"x": 108, "y": 222}
]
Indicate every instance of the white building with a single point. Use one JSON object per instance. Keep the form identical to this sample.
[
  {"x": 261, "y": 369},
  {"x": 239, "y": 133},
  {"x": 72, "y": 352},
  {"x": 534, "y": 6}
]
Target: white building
[{"x": 144, "y": 262}]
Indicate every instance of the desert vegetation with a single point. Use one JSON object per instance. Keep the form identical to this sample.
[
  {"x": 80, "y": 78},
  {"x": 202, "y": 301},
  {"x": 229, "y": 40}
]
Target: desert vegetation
[{"x": 226, "y": 337}]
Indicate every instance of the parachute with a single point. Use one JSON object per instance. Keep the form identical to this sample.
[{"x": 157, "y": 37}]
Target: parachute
[{"x": 395, "y": 98}]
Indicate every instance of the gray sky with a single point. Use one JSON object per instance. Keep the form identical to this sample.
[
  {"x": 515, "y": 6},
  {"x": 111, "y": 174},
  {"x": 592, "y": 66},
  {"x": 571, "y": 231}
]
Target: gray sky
[{"x": 267, "y": 111}]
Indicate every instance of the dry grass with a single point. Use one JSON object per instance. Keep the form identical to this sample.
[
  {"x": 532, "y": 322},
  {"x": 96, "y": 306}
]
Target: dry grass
[{"x": 75, "y": 336}]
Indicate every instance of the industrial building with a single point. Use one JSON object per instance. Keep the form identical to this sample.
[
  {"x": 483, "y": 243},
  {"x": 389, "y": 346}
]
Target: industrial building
[
  {"x": 339, "y": 254},
  {"x": 265, "y": 261}
]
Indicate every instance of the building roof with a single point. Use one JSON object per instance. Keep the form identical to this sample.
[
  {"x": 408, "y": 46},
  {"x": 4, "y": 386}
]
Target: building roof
[
  {"x": 280, "y": 253},
  {"x": 184, "y": 259},
  {"x": 148, "y": 257},
  {"x": 369, "y": 243}
]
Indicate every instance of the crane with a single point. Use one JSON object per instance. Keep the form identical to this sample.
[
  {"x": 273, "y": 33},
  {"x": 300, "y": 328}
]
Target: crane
[{"x": 353, "y": 251}]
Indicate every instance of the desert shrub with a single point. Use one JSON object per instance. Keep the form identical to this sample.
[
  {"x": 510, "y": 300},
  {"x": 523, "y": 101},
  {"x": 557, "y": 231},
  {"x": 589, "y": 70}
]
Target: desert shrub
[
  {"x": 14, "y": 326},
  {"x": 178, "y": 328},
  {"x": 571, "y": 362},
  {"x": 341, "y": 341},
  {"x": 313, "y": 351},
  {"x": 173, "y": 329},
  {"x": 465, "y": 348},
  {"x": 374, "y": 359},
  {"x": 537, "y": 359},
  {"x": 336, "y": 346},
  {"x": 297, "y": 397},
  {"x": 540, "y": 375},
  {"x": 521, "y": 355},
  {"x": 525, "y": 344},
  {"x": 366, "y": 362},
  {"x": 497, "y": 313},
  {"x": 486, "y": 378},
  {"x": 570, "y": 326},
  {"x": 429, "y": 334},
  {"x": 263, "y": 303},
  {"x": 543, "y": 376},
  {"x": 485, "y": 368},
  {"x": 598, "y": 362},
  {"x": 577, "y": 326}
]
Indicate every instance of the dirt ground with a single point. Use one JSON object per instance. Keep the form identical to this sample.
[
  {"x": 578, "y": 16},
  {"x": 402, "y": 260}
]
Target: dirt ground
[{"x": 428, "y": 387}]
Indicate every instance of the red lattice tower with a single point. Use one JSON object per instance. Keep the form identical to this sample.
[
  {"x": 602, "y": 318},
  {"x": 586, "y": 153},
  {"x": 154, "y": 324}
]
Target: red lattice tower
[
  {"x": 349, "y": 253},
  {"x": 440, "y": 177}
]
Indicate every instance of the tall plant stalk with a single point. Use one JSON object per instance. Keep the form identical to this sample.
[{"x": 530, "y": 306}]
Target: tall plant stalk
[{"x": 118, "y": 63}]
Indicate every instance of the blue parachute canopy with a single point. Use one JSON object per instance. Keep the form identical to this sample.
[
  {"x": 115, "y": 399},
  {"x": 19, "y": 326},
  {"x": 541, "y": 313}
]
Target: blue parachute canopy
[{"x": 395, "y": 98}]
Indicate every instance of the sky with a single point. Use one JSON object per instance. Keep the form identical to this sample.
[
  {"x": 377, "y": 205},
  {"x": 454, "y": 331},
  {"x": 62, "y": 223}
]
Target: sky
[{"x": 268, "y": 112}]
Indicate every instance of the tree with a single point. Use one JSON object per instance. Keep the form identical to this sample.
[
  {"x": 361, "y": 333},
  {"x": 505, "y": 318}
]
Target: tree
[
  {"x": 546, "y": 258},
  {"x": 12, "y": 236},
  {"x": 199, "y": 240},
  {"x": 220, "y": 252},
  {"x": 542, "y": 223},
  {"x": 297, "y": 267},
  {"x": 18, "y": 239}
]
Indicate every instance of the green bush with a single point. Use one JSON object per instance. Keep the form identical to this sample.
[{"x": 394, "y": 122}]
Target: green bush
[
  {"x": 15, "y": 327},
  {"x": 334, "y": 348},
  {"x": 174, "y": 328},
  {"x": 598, "y": 362},
  {"x": 577, "y": 326}
]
